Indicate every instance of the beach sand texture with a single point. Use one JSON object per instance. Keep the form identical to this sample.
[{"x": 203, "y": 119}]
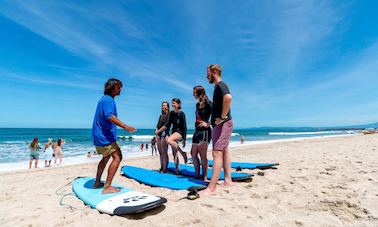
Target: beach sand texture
[{"x": 319, "y": 182}]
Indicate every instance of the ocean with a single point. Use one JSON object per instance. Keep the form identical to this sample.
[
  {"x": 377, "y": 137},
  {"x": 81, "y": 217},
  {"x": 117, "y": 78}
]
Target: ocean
[{"x": 14, "y": 142}]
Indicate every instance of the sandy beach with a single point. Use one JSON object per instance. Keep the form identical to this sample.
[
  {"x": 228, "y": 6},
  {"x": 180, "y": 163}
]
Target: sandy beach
[{"x": 319, "y": 182}]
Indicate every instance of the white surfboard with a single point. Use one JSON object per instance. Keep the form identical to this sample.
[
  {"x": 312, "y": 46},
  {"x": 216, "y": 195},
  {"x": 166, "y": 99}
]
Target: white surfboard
[{"x": 127, "y": 201}]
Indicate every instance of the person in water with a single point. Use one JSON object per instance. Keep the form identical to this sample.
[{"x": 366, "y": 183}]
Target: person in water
[
  {"x": 48, "y": 153},
  {"x": 222, "y": 129},
  {"x": 178, "y": 132},
  {"x": 34, "y": 152},
  {"x": 161, "y": 135},
  {"x": 104, "y": 134},
  {"x": 153, "y": 146},
  {"x": 202, "y": 134},
  {"x": 58, "y": 151}
]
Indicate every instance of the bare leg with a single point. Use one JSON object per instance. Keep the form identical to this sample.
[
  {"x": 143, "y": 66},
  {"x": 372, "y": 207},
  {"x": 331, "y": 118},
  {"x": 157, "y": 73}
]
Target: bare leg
[
  {"x": 227, "y": 167},
  {"x": 159, "y": 141},
  {"x": 36, "y": 163},
  {"x": 164, "y": 149},
  {"x": 100, "y": 170},
  {"x": 30, "y": 163},
  {"x": 196, "y": 162},
  {"x": 217, "y": 167},
  {"x": 203, "y": 154},
  {"x": 172, "y": 140},
  {"x": 117, "y": 157}
]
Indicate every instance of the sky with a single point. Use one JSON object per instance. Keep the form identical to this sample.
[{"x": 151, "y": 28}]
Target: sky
[{"x": 286, "y": 62}]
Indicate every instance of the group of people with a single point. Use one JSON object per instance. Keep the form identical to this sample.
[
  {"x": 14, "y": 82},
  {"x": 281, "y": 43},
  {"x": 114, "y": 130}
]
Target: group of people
[
  {"x": 153, "y": 146},
  {"x": 51, "y": 151},
  {"x": 213, "y": 122}
]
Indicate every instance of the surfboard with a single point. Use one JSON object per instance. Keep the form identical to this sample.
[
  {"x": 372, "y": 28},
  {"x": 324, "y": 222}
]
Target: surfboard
[
  {"x": 188, "y": 170},
  {"x": 249, "y": 165},
  {"x": 164, "y": 180},
  {"x": 127, "y": 201}
]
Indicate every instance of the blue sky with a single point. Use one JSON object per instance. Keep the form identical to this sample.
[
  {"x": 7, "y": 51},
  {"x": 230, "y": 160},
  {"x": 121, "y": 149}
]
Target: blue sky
[{"x": 287, "y": 63}]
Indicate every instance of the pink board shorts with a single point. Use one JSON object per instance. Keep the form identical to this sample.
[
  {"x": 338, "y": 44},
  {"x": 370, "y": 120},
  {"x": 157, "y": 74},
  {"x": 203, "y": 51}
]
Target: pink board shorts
[{"x": 221, "y": 135}]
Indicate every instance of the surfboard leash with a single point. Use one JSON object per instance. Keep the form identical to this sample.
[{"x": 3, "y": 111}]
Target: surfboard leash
[{"x": 57, "y": 192}]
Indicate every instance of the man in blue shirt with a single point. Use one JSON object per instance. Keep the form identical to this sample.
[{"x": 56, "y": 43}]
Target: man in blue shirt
[{"x": 104, "y": 134}]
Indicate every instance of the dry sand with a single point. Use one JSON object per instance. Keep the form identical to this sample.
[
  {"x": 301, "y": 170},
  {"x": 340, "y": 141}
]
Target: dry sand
[{"x": 319, "y": 182}]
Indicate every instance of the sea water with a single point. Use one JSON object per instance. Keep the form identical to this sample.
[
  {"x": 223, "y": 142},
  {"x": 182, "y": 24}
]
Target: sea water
[{"x": 14, "y": 142}]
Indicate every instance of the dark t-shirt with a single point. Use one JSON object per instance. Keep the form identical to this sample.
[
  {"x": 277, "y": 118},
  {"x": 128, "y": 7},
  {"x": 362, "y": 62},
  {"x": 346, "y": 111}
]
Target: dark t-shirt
[
  {"x": 220, "y": 90},
  {"x": 178, "y": 122},
  {"x": 203, "y": 114}
]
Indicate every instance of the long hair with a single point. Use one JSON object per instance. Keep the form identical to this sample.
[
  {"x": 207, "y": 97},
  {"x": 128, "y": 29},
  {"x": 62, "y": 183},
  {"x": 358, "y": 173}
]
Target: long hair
[
  {"x": 59, "y": 142},
  {"x": 178, "y": 101},
  {"x": 110, "y": 85},
  {"x": 166, "y": 102},
  {"x": 34, "y": 143},
  {"x": 201, "y": 94}
]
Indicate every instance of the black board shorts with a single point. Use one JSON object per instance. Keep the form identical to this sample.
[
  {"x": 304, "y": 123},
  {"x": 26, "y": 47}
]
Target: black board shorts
[{"x": 200, "y": 137}]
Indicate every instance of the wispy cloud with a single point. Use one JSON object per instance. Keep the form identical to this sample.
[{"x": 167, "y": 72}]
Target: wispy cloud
[
  {"x": 98, "y": 34},
  {"x": 47, "y": 80}
]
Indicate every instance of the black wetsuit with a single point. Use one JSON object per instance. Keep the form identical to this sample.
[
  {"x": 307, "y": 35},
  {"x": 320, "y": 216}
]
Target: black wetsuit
[
  {"x": 178, "y": 122},
  {"x": 202, "y": 134},
  {"x": 220, "y": 90},
  {"x": 163, "y": 120}
]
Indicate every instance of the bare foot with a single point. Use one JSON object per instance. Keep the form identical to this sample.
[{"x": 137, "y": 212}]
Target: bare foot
[
  {"x": 98, "y": 185},
  {"x": 227, "y": 183},
  {"x": 207, "y": 192},
  {"x": 110, "y": 189}
]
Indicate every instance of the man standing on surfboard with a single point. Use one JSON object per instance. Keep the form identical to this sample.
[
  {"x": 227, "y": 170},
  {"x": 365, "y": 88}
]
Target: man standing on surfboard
[
  {"x": 223, "y": 125},
  {"x": 104, "y": 134}
]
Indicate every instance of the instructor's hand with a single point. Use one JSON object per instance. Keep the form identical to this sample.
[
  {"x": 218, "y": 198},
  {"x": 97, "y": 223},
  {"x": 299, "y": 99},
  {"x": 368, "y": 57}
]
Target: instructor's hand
[{"x": 130, "y": 129}]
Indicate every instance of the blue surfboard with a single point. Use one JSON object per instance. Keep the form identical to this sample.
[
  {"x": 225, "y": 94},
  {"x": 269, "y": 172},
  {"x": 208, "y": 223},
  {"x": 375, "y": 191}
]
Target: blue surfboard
[
  {"x": 188, "y": 170},
  {"x": 127, "y": 201},
  {"x": 248, "y": 165},
  {"x": 165, "y": 180}
]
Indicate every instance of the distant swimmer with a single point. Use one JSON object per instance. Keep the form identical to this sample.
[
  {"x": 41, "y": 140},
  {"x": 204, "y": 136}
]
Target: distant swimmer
[
  {"x": 161, "y": 135},
  {"x": 223, "y": 126},
  {"x": 177, "y": 121},
  {"x": 34, "y": 152},
  {"x": 202, "y": 134},
  {"x": 104, "y": 134}
]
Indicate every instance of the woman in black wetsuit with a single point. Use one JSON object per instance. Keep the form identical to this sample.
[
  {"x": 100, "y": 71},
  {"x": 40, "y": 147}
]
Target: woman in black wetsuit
[
  {"x": 178, "y": 122},
  {"x": 161, "y": 135},
  {"x": 202, "y": 135}
]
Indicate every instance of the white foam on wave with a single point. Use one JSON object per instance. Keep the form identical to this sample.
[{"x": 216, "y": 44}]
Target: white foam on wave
[
  {"x": 73, "y": 160},
  {"x": 149, "y": 137}
]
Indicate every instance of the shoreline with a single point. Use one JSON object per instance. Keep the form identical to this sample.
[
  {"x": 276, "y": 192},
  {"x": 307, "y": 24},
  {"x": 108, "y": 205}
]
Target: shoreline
[{"x": 79, "y": 160}]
